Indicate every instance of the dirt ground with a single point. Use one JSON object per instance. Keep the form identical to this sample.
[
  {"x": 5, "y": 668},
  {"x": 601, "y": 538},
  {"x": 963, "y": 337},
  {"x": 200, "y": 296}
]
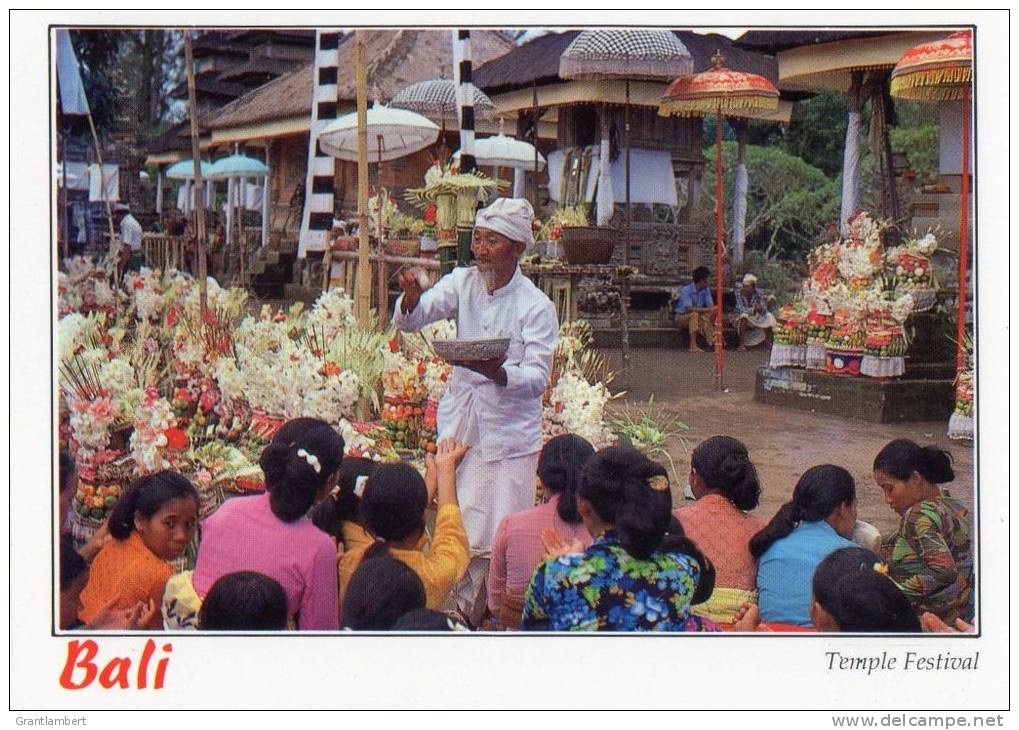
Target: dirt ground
[{"x": 783, "y": 442}]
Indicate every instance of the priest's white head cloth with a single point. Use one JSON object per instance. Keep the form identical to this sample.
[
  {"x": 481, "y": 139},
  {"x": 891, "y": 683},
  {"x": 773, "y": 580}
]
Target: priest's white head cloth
[{"x": 512, "y": 217}]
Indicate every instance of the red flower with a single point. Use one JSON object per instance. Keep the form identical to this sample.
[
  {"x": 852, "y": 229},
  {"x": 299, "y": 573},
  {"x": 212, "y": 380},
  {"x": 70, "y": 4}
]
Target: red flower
[
  {"x": 176, "y": 438},
  {"x": 208, "y": 400},
  {"x": 138, "y": 284},
  {"x": 421, "y": 368},
  {"x": 429, "y": 215},
  {"x": 394, "y": 345},
  {"x": 171, "y": 316}
]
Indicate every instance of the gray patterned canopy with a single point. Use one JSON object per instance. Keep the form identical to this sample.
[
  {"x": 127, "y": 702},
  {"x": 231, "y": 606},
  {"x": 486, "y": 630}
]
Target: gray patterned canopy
[
  {"x": 635, "y": 54},
  {"x": 436, "y": 98}
]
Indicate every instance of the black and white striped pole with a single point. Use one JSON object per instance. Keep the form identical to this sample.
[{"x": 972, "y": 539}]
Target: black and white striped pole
[
  {"x": 465, "y": 116},
  {"x": 317, "y": 217}
]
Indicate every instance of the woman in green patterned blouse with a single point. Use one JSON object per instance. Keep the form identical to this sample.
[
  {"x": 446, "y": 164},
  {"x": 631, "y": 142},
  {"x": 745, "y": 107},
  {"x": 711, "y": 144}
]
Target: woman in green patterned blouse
[{"x": 931, "y": 555}]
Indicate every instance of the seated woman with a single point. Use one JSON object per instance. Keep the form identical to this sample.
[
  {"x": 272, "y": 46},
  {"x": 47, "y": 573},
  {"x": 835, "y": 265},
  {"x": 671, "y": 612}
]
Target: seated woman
[
  {"x": 244, "y": 601},
  {"x": 819, "y": 520},
  {"x": 271, "y": 534},
  {"x": 151, "y": 524},
  {"x": 850, "y": 593},
  {"x": 752, "y": 313},
  {"x": 635, "y": 576},
  {"x": 339, "y": 514},
  {"x": 931, "y": 554},
  {"x": 724, "y": 482},
  {"x": 381, "y": 590},
  {"x": 393, "y": 508},
  {"x": 518, "y": 547}
]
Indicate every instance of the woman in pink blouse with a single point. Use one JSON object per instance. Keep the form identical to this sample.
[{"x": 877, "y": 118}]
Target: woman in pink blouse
[
  {"x": 724, "y": 481},
  {"x": 270, "y": 533},
  {"x": 518, "y": 548}
]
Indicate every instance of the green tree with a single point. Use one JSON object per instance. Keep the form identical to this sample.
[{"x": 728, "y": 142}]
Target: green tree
[
  {"x": 920, "y": 146},
  {"x": 817, "y": 132},
  {"x": 789, "y": 202}
]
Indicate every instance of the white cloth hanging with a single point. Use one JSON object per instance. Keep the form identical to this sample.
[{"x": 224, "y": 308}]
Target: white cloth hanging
[
  {"x": 252, "y": 199},
  {"x": 606, "y": 200},
  {"x": 851, "y": 168},
  {"x": 739, "y": 212},
  {"x": 654, "y": 183},
  {"x": 519, "y": 178},
  {"x": 110, "y": 174}
]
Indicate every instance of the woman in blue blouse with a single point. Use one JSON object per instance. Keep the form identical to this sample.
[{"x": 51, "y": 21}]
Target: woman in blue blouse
[
  {"x": 819, "y": 520},
  {"x": 636, "y": 576}
]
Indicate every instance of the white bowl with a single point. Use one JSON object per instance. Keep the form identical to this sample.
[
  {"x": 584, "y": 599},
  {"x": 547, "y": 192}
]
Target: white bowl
[{"x": 471, "y": 348}]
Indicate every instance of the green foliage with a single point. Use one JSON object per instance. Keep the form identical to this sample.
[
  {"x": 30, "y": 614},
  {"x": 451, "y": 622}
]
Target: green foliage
[
  {"x": 817, "y": 132},
  {"x": 789, "y": 202},
  {"x": 920, "y": 145}
]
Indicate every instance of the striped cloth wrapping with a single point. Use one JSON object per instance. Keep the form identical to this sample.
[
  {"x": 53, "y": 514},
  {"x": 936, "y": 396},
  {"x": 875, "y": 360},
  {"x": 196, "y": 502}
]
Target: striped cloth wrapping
[
  {"x": 464, "y": 97},
  {"x": 317, "y": 218}
]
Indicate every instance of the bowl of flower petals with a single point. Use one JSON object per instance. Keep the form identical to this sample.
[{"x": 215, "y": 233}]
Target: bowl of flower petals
[{"x": 471, "y": 349}]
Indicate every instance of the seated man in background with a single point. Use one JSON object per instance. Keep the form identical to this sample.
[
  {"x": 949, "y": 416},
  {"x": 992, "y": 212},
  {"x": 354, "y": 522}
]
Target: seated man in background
[
  {"x": 695, "y": 309},
  {"x": 752, "y": 313}
]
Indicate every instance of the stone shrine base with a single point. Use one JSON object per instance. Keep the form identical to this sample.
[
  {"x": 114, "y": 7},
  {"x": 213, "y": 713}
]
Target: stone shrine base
[{"x": 921, "y": 395}]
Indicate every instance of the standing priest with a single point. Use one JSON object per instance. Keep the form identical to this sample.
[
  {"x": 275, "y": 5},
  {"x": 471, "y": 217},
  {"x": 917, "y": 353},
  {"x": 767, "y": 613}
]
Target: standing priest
[{"x": 493, "y": 405}]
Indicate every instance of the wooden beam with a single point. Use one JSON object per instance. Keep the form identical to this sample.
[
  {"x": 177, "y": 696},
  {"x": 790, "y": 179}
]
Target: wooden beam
[{"x": 199, "y": 208}]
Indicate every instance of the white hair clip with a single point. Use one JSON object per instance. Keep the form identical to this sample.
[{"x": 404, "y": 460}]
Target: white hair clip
[
  {"x": 359, "y": 486},
  {"x": 311, "y": 459}
]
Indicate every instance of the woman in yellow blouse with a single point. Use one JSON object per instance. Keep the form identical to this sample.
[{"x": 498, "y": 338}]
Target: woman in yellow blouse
[{"x": 393, "y": 511}]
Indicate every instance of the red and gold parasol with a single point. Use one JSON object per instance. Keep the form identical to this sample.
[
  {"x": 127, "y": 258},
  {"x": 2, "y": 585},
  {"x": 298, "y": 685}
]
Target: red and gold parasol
[
  {"x": 720, "y": 91},
  {"x": 943, "y": 71}
]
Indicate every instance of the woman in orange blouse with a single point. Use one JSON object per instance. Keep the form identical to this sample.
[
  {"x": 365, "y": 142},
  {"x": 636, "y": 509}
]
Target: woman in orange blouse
[
  {"x": 151, "y": 524},
  {"x": 724, "y": 481}
]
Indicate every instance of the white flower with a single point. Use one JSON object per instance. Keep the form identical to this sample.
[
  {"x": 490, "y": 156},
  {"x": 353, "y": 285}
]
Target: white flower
[{"x": 117, "y": 376}]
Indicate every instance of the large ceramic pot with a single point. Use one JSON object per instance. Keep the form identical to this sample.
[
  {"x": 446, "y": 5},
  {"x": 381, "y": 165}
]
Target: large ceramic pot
[{"x": 588, "y": 244}]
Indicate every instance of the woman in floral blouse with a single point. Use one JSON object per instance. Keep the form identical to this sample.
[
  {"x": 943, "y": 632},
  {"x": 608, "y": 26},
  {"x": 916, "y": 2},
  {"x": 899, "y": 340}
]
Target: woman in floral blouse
[
  {"x": 635, "y": 576},
  {"x": 931, "y": 555}
]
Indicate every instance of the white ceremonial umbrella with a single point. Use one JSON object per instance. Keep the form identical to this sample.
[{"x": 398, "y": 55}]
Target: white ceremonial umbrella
[
  {"x": 395, "y": 133},
  {"x": 503, "y": 151}
]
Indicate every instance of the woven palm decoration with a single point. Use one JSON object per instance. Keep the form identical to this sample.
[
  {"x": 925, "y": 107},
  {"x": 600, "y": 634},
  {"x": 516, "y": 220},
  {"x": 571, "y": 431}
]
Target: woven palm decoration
[
  {"x": 935, "y": 71},
  {"x": 436, "y": 98},
  {"x": 634, "y": 54},
  {"x": 734, "y": 93}
]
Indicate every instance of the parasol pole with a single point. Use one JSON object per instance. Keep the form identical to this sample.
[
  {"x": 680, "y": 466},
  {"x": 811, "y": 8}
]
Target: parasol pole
[
  {"x": 363, "y": 265},
  {"x": 102, "y": 178},
  {"x": 718, "y": 245},
  {"x": 534, "y": 108},
  {"x": 203, "y": 294},
  {"x": 960, "y": 355},
  {"x": 380, "y": 199},
  {"x": 626, "y": 143},
  {"x": 63, "y": 196}
]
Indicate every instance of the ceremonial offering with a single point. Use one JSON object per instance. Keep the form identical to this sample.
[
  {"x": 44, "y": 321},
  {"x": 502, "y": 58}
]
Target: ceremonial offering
[{"x": 471, "y": 349}]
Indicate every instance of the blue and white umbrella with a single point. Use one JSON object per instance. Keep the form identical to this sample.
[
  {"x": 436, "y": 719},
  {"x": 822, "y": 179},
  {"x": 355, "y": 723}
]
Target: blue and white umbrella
[
  {"x": 237, "y": 166},
  {"x": 185, "y": 170}
]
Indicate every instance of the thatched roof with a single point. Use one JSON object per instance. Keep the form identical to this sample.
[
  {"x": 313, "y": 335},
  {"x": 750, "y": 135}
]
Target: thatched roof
[
  {"x": 772, "y": 41},
  {"x": 271, "y": 67},
  {"x": 175, "y": 139},
  {"x": 537, "y": 61},
  {"x": 394, "y": 59}
]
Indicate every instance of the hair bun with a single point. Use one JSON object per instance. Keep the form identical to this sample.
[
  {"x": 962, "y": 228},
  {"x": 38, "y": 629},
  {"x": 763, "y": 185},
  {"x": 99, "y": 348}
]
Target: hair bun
[
  {"x": 733, "y": 466},
  {"x": 274, "y": 461}
]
